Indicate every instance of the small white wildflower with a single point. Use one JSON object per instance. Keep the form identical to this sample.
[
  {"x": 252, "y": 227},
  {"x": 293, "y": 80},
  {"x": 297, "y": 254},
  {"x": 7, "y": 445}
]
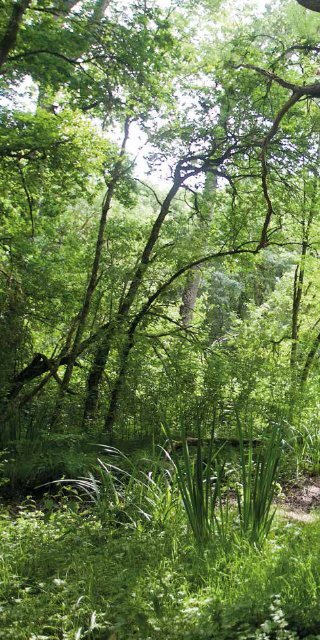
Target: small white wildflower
[{"x": 58, "y": 582}]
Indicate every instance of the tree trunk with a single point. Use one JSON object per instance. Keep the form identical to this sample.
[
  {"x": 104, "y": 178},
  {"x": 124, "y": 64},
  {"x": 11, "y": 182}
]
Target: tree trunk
[
  {"x": 189, "y": 296},
  {"x": 191, "y": 290},
  {"x": 100, "y": 9},
  {"x": 186, "y": 310},
  {"x": 112, "y": 413},
  {"x": 94, "y": 275},
  {"x": 95, "y": 378},
  {"x": 298, "y": 286},
  {"x": 297, "y": 295},
  {"x": 10, "y": 35},
  {"x": 101, "y": 356},
  {"x": 309, "y": 360}
]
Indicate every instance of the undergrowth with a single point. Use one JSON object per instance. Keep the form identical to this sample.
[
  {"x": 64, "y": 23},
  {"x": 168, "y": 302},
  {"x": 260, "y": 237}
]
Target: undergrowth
[{"x": 67, "y": 574}]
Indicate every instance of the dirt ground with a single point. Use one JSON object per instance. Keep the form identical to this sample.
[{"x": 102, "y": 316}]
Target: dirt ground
[{"x": 301, "y": 501}]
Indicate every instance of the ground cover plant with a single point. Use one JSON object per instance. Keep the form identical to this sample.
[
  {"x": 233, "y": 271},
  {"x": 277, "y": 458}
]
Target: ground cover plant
[
  {"x": 159, "y": 319},
  {"x": 65, "y": 573}
]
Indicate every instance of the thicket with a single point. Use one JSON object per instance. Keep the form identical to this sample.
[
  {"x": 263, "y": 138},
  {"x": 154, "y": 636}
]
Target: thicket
[{"x": 159, "y": 293}]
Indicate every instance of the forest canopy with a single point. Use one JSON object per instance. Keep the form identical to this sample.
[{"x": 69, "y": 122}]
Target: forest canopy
[{"x": 159, "y": 193}]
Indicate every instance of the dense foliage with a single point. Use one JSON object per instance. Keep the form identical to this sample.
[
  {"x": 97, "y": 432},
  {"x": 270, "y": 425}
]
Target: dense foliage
[{"x": 159, "y": 291}]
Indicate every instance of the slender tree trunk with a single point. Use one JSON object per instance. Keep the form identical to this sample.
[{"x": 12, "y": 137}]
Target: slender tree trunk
[
  {"x": 191, "y": 290},
  {"x": 10, "y": 35},
  {"x": 298, "y": 377},
  {"x": 309, "y": 360},
  {"x": 94, "y": 275},
  {"x": 295, "y": 397},
  {"x": 95, "y": 377},
  {"x": 190, "y": 295},
  {"x": 296, "y": 305},
  {"x": 104, "y": 349},
  {"x": 102, "y": 353},
  {"x": 112, "y": 413},
  {"x": 186, "y": 310},
  {"x": 299, "y": 277}
]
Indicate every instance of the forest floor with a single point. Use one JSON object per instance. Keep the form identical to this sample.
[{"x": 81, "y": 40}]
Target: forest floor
[
  {"x": 301, "y": 500},
  {"x": 69, "y": 572}
]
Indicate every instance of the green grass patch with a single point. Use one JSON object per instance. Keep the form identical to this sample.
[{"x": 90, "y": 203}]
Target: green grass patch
[{"x": 66, "y": 574}]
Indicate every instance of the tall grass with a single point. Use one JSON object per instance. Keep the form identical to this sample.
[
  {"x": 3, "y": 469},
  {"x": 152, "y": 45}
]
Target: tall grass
[
  {"x": 305, "y": 447},
  {"x": 199, "y": 482},
  {"x": 123, "y": 492},
  {"x": 127, "y": 492},
  {"x": 259, "y": 473}
]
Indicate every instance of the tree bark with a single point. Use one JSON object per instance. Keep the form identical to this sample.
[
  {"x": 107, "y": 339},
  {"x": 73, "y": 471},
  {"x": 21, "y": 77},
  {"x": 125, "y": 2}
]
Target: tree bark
[
  {"x": 297, "y": 295},
  {"x": 298, "y": 286},
  {"x": 11, "y": 33},
  {"x": 191, "y": 290},
  {"x": 112, "y": 413},
  {"x": 189, "y": 296},
  {"x": 100, "y": 9},
  {"x": 309, "y": 360},
  {"x": 95, "y": 377}
]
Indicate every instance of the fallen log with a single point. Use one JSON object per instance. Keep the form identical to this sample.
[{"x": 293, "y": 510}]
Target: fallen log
[{"x": 177, "y": 445}]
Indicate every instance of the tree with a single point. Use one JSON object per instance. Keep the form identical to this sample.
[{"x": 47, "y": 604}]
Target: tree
[
  {"x": 231, "y": 121},
  {"x": 10, "y": 35}
]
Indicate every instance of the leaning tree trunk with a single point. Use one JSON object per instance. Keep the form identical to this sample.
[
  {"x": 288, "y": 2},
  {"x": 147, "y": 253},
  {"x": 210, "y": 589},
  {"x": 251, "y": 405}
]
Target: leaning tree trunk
[
  {"x": 101, "y": 356},
  {"x": 300, "y": 272},
  {"x": 112, "y": 413},
  {"x": 299, "y": 278},
  {"x": 102, "y": 353},
  {"x": 11, "y": 33},
  {"x": 95, "y": 378},
  {"x": 116, "y": 174},
  {"x": 186, "y": 312},
  {"x": 313, "y": 5}
]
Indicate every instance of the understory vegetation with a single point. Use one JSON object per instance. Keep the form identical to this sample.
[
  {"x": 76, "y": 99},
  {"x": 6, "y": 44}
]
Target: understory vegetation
[
  {"x": 68, "y": 574},
  {"x": 159, "y": 319}
]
